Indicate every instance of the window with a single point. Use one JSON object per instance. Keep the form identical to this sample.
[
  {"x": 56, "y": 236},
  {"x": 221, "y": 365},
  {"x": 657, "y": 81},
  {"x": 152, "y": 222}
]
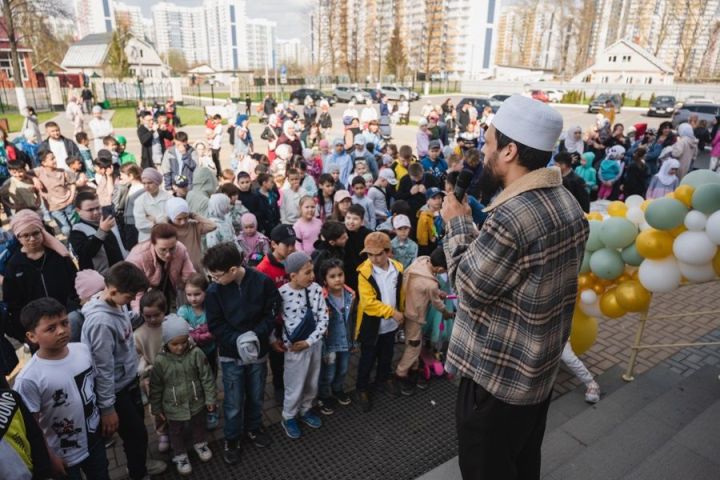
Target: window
[{"x": 6, "y": 65}]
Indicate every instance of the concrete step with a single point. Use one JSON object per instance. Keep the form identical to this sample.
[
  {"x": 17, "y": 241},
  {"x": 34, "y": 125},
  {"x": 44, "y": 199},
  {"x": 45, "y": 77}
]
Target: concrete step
[
  {"x": 633, "y": 437},
  {"x": 691, "y": 454}
]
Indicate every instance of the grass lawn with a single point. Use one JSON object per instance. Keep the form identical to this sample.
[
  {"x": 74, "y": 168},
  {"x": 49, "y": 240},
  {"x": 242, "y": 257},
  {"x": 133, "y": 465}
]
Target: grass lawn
[
  {"x": 124, "y": 117},
  {"x": 15, "y": 120}
]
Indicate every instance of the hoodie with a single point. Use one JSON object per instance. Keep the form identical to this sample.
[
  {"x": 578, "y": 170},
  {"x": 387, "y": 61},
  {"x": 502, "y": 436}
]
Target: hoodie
[
  {"x": 108, "y": 332},
  {"x": 204, "y": 184},
  {"x": 421, "y": 289},
  {"x": 322, "y": 252}
]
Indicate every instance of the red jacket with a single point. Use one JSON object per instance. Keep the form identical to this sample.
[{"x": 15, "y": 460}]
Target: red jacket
[{"x": 273, "y": 269}]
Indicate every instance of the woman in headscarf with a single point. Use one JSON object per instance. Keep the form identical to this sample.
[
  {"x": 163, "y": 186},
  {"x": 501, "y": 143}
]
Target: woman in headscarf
[
  {"x": 289, "y": 137},
  {"x": 685, "y": 149},
  {"x": 243, "y": 143},
  {"x": 573, "y": 141},
  {"x": 165, "y": 262},
  {"x": 149, "y": 207},
  {"x": 254, "y": 244},
  {"x": 219, "y": 213},
  {"x": 190, "y": 229},
  {"x": 666, "y": 180},
  {"x": 271, "y": 134},
  {"x": 41, "y": 268},
  {"x": 309, "y": 112},
  {"x": 204, "y": 184}
]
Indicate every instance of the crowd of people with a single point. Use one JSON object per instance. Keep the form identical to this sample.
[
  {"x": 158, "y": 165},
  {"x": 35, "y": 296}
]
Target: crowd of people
[{"x": 146, "y": 274}]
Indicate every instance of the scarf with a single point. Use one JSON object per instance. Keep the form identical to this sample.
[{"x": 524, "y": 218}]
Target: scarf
[
  {"x": 664, "y": 175},
  {"x": 572, "y": 145},
  {"x": 26, "y": 220}
]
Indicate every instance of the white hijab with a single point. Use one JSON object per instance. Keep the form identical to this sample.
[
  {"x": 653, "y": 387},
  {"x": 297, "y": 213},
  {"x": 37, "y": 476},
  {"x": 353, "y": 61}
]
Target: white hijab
[
  {"x": 664, "y": 175},
  {"x": 571, "y": 144}
]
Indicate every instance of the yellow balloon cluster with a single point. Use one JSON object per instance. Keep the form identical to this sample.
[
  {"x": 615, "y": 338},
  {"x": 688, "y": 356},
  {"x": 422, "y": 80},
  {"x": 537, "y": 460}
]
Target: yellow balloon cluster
[{"x": 583, "y": 332}]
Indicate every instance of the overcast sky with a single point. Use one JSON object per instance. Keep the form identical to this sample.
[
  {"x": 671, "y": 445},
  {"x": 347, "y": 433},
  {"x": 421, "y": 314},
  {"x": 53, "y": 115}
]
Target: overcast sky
[{"x": 292, "y": 16}]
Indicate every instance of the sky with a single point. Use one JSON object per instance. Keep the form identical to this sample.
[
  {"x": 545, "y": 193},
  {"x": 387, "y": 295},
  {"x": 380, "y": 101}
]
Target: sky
[{"x": 292, "y": 16}]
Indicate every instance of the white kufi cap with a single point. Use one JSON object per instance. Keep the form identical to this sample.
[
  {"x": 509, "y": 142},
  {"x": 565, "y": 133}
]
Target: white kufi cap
[{"x": 529, "y": 122}]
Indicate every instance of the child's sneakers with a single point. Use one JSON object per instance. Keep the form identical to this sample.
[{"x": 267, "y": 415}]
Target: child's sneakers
[
  {"x": 231, "y": 452},
  {"x": 592, "y": 393},
  {"x": 212, "y": 421},
  {"x": 311, "y": 420},
  {"x": 326, "y": 405},
  {"x": 259, "y": 438},
  {"x": 291, "y": 427},
  {"x": 182, "y": 464},
  {"x": 364, "y": 400},
  {"x": 342, "y": 398},
  {"x": 203, "y": 451},
  {"x": 163, "y": 443},
  {"x": 407, "y": 386}
]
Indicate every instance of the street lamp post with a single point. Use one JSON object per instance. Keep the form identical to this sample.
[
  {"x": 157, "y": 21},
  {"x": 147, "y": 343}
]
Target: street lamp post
[{"x": 212, "y": 89}]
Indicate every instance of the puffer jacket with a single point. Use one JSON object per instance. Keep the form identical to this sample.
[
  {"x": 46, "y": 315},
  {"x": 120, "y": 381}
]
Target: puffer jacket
[
  {"x": 371, "y": 308},
  {"x": 421, "y": 288},
  {"x": 181, "y": 385}
]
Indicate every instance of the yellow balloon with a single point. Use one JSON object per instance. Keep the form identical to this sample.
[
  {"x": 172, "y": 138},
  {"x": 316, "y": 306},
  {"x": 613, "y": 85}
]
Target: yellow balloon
[
  {"x": 654, "y": 244},
  {"x": 670, "y": 195},
  {"x": 609, "y": 305},
  {"x": 594, "y": 216},
  {"x": 684, "y": 193},
  {"x": 716, "y": 262},
  {"x": 583, "y": 332},
  {"x": 623, "y": 278},
  {"x": 585, "y": 281},
  {"x": 617, "y": 209},
  {"x": 645, "y": 204},
  {"x": 677, "y": 230},
  {"x": 599, "y": 289},
  {"x": 632, "y": 296}
]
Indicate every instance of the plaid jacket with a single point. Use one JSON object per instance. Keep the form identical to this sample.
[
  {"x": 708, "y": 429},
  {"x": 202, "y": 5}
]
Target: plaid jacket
[{"x": 516, "y": 282}]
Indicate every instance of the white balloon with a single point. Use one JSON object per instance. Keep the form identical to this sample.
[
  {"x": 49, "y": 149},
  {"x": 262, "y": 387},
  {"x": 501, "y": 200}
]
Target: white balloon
[
  {"x": 713, "y": 227},
  {"x": 588, "y": 296},
  {"x": 695, "y": 221},
  {"x": 694, "y": 248},
  {"x": 660, "y": 276},
  {"x": 591, "y": 309},
  {"x": 635, "y": 215},
  {"x": 697, "y": 273},
  {"x": 645, "y": 226},
  {"x": 634, "y": 201}
]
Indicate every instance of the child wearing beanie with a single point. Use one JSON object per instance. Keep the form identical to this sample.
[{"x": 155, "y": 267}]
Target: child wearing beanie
[
  {"x": 305, "y": 320},
  {"x": 182, "y": 389}
]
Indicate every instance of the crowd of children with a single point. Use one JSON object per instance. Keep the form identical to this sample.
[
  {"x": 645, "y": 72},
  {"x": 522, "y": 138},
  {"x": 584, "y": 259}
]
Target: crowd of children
[{"x": 290, "y": 261}]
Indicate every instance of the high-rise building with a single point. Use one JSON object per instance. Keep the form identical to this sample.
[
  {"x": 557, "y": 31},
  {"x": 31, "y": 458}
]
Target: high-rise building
[
  {"x": 130, "y": 17},
  {"x": 226, "y": 27},
  {"x": 291, "y": 52},
  {"x": 260, "y": 43},
  {"x": 182, "y": 29},
  {"x": 94, "y": 16}
]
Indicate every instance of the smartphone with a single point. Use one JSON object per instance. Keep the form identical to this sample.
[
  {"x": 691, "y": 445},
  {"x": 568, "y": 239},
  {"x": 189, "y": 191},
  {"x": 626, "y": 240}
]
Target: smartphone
[{"x": 108, "y": 211}]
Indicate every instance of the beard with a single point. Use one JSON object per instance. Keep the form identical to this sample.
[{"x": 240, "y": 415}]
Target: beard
[{"x": 490, "y": 182}]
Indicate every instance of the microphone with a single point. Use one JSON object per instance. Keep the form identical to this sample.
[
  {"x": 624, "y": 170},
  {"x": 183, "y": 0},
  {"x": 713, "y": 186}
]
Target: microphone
[{"x": 462, "y": 184}]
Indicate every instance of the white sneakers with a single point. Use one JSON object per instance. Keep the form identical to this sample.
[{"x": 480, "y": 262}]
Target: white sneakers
[
  {"x": 182, "y": 464},
  {"x": 592, "y": 393},
  {"x": 163, "y": 443},
  {"x": 203, "y": 451}
]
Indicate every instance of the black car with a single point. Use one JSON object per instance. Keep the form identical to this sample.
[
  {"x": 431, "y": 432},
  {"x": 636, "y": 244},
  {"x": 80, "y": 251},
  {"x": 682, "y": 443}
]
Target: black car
[
  {"x": 500, "y": 97},
  {"x": 662, "y": 107},
  {"x": 298, "y": 96},
  {"x": 599, "y": 103},
  {"x": 479, "y": 103}
]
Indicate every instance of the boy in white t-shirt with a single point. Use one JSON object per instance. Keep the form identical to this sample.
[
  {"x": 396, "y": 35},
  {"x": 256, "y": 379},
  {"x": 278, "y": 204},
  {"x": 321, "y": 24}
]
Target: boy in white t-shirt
[{"x": 58, "y": 386}]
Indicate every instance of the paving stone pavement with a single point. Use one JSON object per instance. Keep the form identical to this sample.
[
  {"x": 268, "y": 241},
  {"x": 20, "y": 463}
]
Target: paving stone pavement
[{"x": 611, "y": 348}]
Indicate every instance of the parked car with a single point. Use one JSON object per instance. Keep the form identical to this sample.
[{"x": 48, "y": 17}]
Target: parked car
[
  {"x": 705, "y": 111},
  {"x": 298, "y": 96},
  {"x": 479, "y": 103},
  {"x": 555, "y": 95},
  {"x": 345, "y": 94},
  {"x": 398, "y": 93},
  {"x": 599, "y": 103},
  {"x": 500, "y": 97},
  {"x": 663, "y": 106},
  {"x": 539, "y": 95},
  {"x": 374, "y": 94}
]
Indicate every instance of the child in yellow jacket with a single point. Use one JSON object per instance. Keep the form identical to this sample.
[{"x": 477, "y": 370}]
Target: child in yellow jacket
[{"x": 429, "y": 226}]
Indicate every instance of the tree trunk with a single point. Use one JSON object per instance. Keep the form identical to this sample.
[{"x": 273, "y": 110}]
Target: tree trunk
[{"x": 14, "y": 56}]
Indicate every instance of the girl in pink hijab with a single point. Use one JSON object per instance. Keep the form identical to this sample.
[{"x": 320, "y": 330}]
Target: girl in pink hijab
[{"x": 254, "y": 244}]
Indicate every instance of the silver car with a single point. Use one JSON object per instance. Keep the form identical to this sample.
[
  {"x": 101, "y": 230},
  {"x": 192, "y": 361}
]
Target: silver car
[
  {"x": 346, "y": 94},
  {"x": 396, "y": 93},
  {"x": 705, "y": 111}
]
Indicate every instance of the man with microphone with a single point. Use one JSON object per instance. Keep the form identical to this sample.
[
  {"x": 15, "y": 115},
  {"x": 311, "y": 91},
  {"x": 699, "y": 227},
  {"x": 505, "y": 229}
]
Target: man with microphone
[{"x": 516, "y": 281}]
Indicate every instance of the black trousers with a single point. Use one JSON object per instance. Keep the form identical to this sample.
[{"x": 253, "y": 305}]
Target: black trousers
[
  {"x": 277, "y": 367},
  {"x": 381, "y": 353},
  {"x": 130, "y": 411},
  {"x": 215, "y": 152},
  {"x": 498, "y": 440}
]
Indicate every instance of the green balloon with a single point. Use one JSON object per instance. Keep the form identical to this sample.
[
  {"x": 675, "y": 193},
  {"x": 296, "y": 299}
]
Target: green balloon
[
  {"x": 706, "y": 198},
  {"x": 665, "y": 213},
  {"x": 594, "y": 242},
  {"x": 631, "y": 256},
  {"x": 585, "y": 267},
  {"x": 607, "y": 264},
  {"x": 701, "y": 177},
  {"x": 618, "y": 232}
]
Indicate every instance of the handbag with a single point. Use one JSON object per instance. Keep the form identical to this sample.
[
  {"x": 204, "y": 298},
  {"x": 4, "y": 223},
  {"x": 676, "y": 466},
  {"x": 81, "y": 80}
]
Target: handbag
[{"x": 306, "y": 327}]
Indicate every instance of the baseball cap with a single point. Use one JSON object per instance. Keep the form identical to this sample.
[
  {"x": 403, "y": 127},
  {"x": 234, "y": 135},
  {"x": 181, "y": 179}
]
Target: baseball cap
[
  {"x": 283, "y": 233},
  {"x": 388, "y": 175},
  {"x": 434, "y": 144},
  {"x": 376, "y": 242},
  {"x": 181, "y": 181},
  {"x": 400, "y": 221},
  {"x": 341, "y": 195},
  {"x": 431, "y": 192}
]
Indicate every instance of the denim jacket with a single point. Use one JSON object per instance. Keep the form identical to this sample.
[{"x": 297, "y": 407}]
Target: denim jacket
[{"x": 339, "y": 329}]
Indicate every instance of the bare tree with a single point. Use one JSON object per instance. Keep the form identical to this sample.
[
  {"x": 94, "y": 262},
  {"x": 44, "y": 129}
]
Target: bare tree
[
  {"x": 26, "y": 12},
  {"x": 692, "y": 28},
  {"x": 432, "y": 47},
  {"x": 586, "y": 20},
  {"x": 667, "y": 18}
]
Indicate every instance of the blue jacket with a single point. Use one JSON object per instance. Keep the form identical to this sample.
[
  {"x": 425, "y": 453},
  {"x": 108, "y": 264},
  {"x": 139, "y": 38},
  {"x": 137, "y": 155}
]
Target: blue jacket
[
  {"x": 437, "y": 169},
  {"x": 233, "y": 309},
  {"x": 340, "y": 326}
]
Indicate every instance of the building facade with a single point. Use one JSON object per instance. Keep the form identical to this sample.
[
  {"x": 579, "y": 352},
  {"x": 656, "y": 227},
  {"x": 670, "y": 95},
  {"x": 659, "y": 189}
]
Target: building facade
[
  {"x": 94, "y": 16},
  {"x": 260, "y": 43},
  {"x": 182, "y": 29},
  {"x": 130, "y": 16},
  {"x": 226, "y": 33},
  {"x": 625, "y": 62}
]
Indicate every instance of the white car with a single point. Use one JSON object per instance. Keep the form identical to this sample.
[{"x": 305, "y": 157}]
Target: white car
[{"x": 555, "y": 95}]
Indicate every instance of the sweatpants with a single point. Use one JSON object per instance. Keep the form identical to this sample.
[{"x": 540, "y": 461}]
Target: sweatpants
[
  {"x": 575, "y": 365},
  {"x": 413, "y": 346},
  {"x": 180, "y": 431},
  {"x": 302, "y": 373}
]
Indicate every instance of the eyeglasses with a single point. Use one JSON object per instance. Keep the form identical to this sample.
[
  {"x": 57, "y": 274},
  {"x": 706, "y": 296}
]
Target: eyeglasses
[
  {"x": 163, "y": 251},
  {"x": 28, "y": 236},
  {"x": 215, "y": 276}
]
